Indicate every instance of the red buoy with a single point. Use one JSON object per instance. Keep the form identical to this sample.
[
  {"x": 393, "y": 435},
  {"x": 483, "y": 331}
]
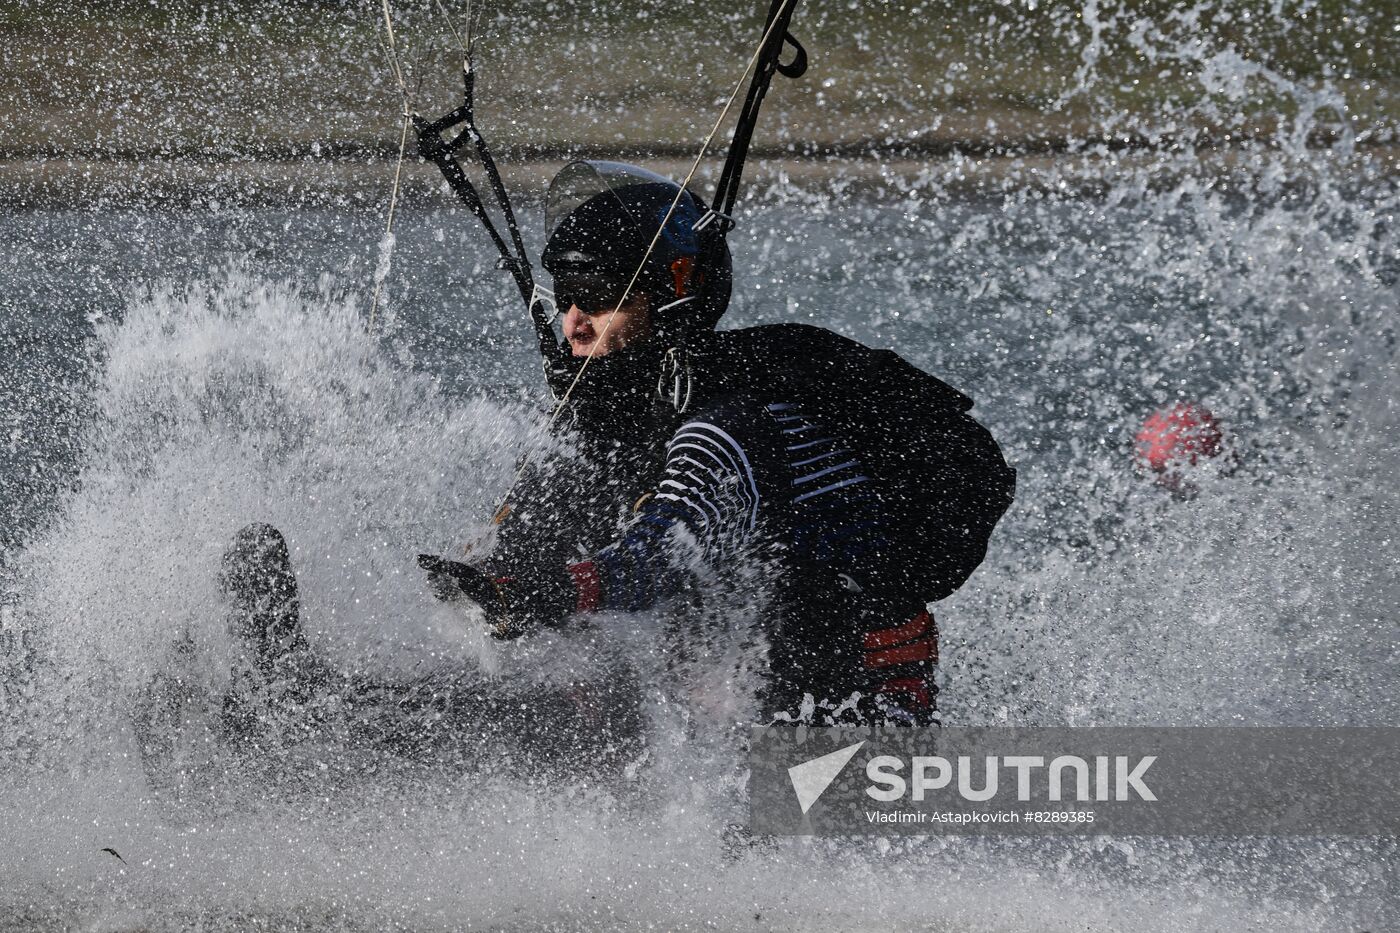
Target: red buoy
[{"x": 1176, "y": 438}]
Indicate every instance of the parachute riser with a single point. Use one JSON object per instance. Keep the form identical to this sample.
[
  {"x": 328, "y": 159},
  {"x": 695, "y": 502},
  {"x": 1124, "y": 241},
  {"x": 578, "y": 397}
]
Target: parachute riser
[
  {"x": 715, "y": 225},
  {"x": 770, "y": 61},
  {"x": 513, "y": 257}
]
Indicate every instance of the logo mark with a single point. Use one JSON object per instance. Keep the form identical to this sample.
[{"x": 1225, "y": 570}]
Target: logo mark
[{"x": 811, "y": 778}]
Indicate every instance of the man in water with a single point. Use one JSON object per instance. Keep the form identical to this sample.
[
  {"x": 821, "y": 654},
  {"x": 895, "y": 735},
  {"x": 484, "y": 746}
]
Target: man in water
[
  {"x": 860, "y": 483},
  {"x": 760, "y": 458}
]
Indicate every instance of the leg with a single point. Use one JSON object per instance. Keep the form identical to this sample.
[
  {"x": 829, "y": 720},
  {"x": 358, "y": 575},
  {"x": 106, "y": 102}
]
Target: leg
[
  {"x": 258, "y": 581},
  {"x": 264, "y": 616},
  {"x": 864, "y": 657},
  {"x": 583, "y": 726}
]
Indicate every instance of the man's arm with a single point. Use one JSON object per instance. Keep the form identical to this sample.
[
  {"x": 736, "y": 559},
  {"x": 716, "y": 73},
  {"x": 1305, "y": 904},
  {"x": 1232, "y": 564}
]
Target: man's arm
[
  {"x": 709, "y": 492},
  {"x": 708, "y": 489}
]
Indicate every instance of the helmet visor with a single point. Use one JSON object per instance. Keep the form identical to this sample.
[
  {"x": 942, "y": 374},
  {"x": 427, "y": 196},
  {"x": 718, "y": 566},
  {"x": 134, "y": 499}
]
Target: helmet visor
[{"x": 581, "y": 181}]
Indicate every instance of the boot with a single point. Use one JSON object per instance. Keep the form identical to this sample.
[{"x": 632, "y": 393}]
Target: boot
[{"x": 274, "y": 686}]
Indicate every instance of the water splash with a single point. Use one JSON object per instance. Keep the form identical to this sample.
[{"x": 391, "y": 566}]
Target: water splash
[{"x": 1230, "y": 240}]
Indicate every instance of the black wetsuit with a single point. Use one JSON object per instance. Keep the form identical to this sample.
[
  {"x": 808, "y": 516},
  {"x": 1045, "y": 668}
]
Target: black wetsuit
[
  {"x": 765, "y": 478},
  {"x": 775, "y": 466}
]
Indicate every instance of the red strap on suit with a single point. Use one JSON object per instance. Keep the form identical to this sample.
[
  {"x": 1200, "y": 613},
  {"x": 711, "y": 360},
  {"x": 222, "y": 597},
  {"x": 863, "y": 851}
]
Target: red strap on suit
[{"x": 911, "y": 642}]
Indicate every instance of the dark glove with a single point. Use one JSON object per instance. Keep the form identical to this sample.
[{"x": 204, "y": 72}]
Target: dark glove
[{"x": 513, "y": 604}]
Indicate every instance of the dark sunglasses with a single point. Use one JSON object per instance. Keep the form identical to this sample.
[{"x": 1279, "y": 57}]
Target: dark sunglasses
[{"x": 593, "y": 296}]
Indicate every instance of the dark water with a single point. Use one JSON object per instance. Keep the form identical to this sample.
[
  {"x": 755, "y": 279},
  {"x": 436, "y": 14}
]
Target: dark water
[{"x": 181, "y": 373}]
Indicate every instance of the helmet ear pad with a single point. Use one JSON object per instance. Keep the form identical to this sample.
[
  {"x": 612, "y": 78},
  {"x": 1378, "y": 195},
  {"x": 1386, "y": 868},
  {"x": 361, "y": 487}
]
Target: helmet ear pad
[{"x": 682, "y": 272}]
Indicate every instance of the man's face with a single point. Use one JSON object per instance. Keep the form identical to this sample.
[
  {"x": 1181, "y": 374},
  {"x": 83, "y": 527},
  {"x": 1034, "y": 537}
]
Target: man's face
[{"x": 592, "y": 333}]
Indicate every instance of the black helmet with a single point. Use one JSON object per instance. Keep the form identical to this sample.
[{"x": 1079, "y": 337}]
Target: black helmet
[{"x": 600, "y": 220}]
